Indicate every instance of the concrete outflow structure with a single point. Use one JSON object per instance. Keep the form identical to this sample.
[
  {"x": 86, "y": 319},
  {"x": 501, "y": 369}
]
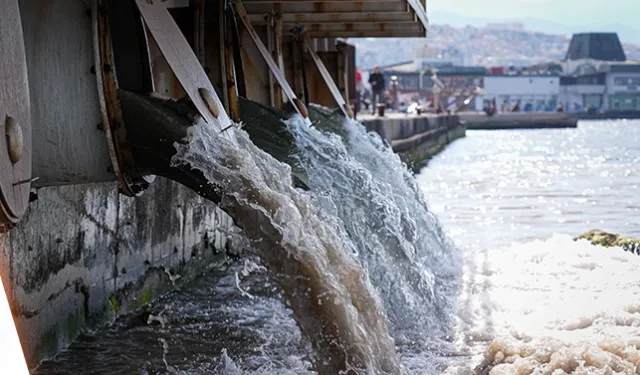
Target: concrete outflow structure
[{"x": 88, "y": 231}]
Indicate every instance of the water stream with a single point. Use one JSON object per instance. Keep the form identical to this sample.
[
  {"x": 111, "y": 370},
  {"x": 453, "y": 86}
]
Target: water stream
[
  {"x": 310, "y": 257},
  {"x": 361, "y": 259}
]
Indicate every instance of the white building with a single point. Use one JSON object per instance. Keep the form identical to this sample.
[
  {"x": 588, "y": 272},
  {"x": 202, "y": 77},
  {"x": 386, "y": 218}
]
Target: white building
[
  {"x": 594, "y": 74},
  {"x": 597, "y": 74},
  {"x": 533, "y": 92}
]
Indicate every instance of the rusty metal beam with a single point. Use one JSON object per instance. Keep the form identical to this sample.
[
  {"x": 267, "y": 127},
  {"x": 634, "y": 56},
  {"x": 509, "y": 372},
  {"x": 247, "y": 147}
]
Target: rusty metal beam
[
  {"x": 340, "y": 17},
  {"x": 335, "y": 92},
  {"x": 331, "y": 7},
  {"x": 317, "y": 1},
  {"x": 242, "y": 14},
  {"x": 366, "y": 34},
  {"x": 278, "y": 40},
  {"x": 365, "y": 29},
  {"x": 274, "y": 33},
  {"x": 198, "y": 29},
  {"x": 271, "y": 45}
]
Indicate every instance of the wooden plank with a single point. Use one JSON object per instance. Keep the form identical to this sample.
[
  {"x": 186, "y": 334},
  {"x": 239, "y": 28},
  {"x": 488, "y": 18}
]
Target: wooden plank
[
  {"x": 316, "y": 1},
  {"x": 327, "y": 7},
  {"x": 335, "y": 92},
  {"x": 277, "y": 29},
  {"x": 182, "y": 60},
  {"x": 340, "y": 17},
  {"x": 361, "y": 27}
]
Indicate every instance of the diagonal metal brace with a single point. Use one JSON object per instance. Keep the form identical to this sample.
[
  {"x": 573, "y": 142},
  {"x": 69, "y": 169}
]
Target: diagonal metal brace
[
  {"x": 266, "y": 55},
  {"x": 184, "y": 63},
  {"x": 335, "y": 92}
]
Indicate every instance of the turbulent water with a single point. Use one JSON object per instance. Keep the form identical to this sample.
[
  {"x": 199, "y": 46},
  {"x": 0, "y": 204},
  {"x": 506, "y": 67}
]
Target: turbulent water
[
  {"x": 510, "y": 302},
  {"x": 308, "y": 255}
]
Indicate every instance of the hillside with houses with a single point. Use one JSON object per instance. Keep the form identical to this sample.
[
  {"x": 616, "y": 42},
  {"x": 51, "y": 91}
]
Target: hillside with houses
[{"x": 493, "y": 44}]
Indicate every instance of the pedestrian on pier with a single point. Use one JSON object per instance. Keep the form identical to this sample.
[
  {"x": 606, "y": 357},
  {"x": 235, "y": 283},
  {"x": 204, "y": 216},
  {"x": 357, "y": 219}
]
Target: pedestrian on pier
[
  {"x": 376, "y": 79},
  {"x": 359, "y": 91}
]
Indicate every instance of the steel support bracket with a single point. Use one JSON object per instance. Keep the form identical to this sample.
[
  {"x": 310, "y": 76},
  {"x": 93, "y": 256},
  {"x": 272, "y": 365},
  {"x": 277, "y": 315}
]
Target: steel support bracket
[
  {"x": 184, "y": 63},
  {"x": 15, "y": 119},
  {"x": 333, "y": 88},
  {"x": 266, "y": 55},
  {"x": 121, "y": 61}
]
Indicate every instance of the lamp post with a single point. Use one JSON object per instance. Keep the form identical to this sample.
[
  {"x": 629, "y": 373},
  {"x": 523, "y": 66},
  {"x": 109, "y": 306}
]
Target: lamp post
[{"x": 394, "y": 91}]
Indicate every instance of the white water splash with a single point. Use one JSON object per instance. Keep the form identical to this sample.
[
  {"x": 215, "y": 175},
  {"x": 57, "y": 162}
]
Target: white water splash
[
  {"x": 307, "y": 255},
  {"x": 361, "y": 181},
  {"x": 552, "y": 307}
]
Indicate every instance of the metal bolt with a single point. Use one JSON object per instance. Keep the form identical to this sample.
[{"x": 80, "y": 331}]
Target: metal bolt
[
  {"x": 22, "y": 182},
  {"x": 210, "y": 101},
  {"x": 15, "y": 141}
]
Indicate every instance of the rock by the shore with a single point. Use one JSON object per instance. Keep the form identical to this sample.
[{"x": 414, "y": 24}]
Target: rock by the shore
[{"x": 607, "y": 239}]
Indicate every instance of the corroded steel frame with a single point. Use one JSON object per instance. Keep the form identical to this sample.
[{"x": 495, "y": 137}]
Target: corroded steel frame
[
  {"x": 266, "y": 55},
  {"x": 130, "y": 181},
  {"x": 335, "y": 92}
]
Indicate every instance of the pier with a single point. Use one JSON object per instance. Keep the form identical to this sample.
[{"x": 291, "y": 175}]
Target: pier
[
  {"x": 416, "y": 137},
  {"x": 517, "y": 120}
]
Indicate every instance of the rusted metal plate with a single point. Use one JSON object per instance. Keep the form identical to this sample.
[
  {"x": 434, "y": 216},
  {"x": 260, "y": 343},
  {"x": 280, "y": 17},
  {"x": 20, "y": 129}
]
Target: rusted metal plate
[
  {"x": 341, "y": 18},
  {"x": 327, "y": 7},
  {"x": 333, "y": 28},
  {"x": 350, "y": 17},
  {"x": 327, "y": 78},
  {"x": 318, "y": 1},
  {"x": 275, "y": 70},
  {"x": 136, "y": 76},
  {"x": 183, "y": 61},
  {"x": 15, "y": 118},
  {"x": 362, "y": 34}
]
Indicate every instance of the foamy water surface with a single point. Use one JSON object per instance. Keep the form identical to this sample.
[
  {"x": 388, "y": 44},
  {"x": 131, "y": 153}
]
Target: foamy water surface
[{"x": 547, "y": 305}]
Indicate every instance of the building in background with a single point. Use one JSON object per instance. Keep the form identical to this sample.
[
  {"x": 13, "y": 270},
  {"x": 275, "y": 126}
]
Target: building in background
[
  {"x": 533, "y": 92},
  {"x": 597, "y": 76},
  {"x": 433, "y": 57},
  {"x": 594, "y": 77}
]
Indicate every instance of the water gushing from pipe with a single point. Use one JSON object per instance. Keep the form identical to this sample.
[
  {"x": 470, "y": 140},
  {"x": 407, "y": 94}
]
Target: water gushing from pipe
[{"x": 309, "y": 256}]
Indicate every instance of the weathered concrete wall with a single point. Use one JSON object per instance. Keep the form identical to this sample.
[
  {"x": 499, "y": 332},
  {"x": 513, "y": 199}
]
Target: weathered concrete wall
[
  {"x": 84, "y": 254},
  {"x": 416, "y": 138}
]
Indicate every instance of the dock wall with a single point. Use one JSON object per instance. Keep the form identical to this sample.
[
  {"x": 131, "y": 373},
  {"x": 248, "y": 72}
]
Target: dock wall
[
  {"x": 517, "y": 120},
  {"x": 417, "y": 138},
  {"x": 84, "y": 254}
]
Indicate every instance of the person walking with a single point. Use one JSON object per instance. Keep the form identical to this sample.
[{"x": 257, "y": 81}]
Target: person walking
[
  {"x": 376, "y": 79},
  {"x": 359, "y": 91}
]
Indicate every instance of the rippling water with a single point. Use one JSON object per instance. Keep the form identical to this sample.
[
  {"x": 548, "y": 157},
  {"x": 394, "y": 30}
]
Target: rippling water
[
  {"x": 524, "y": 299},
  {"x": 494, "y": 188},
  {"x": 531, "y": 299}
]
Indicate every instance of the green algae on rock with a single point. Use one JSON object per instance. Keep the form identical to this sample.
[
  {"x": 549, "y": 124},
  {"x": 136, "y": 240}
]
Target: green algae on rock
[{"x": 607, "y": 239}]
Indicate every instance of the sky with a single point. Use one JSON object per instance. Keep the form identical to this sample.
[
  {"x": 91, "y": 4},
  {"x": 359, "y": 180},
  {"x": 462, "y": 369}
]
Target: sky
[{"x": 616, "y": 15}]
